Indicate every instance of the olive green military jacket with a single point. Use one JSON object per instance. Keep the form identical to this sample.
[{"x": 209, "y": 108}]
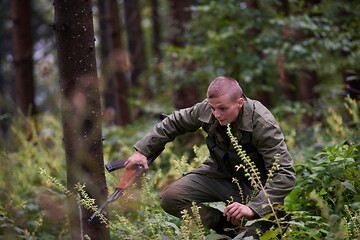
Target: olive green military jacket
[{"x": 266, "y": 137}]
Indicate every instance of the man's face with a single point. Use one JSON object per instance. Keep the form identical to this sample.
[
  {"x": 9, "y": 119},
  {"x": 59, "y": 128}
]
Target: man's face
[{"x": 224, "y": 109}]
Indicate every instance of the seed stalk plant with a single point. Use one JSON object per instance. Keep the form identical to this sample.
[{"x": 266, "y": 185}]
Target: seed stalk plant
[{"x": 253, "y": 175}]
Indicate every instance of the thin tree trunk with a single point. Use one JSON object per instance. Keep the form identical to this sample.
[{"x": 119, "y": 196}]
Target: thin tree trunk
[
  {"x": 263, "y": 96},
  {"x": 285, "y": 81},
  {"x": 351, "y": 78},
  {"x": 120, "y": 65},
  {"x": 108, "y": 86},
  {"x": 157, "y": 55},
  {"x": 156, "y": 39},
  {"x": 135, "y": 39},
  {"x": 180, "y": 15},
  {"x": 285, "y": 77},
  {"x": 81, "y": 111},
  {"x": 23, "y": 61},
  {"x": 115, "y": 64},
  {"x": 308, "y": 78}
]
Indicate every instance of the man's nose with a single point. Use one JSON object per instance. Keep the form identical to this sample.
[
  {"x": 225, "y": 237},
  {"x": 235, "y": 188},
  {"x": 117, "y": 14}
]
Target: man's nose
[{"x": 216, "y": 113}]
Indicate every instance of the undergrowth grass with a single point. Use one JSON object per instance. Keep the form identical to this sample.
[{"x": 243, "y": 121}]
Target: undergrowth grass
[{"x": 325, "y": 202}]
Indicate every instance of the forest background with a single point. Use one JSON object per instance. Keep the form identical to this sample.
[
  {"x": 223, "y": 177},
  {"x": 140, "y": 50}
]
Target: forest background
[{"x": 71, "y": 102}]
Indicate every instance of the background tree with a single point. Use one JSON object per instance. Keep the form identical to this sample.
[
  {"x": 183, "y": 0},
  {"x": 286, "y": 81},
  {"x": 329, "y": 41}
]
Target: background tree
[
  {"x": 81, "y": 110},
  {"x": 118, "y": 64},
  {"x": 308, "y": 78},
  {"x": 140, "y": 85},
  {"x": 104, "y": 54},
  {"x": 215, "y": 42},
  {"x": 156, "y": 29},
  {"x": 135, "y": 39},
  {"x": 287, "y": 80},
  {"x": 234, "y": 52},
  {"x": 5, "y": 85},
  {"x": 262, "y": 93},
  {"x": 23, "y": 59},
  {"x": 156, "y": 46},
  {"x": 185, "y": 94}
]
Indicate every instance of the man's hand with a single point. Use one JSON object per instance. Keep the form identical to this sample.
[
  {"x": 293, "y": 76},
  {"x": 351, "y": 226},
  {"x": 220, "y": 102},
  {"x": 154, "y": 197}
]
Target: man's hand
[
  {"x": 237, "y": 210},
  {"x": 136, "y": 158}
]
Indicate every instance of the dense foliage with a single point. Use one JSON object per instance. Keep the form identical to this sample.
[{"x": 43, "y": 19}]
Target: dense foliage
[
  {"x": 224, "y": 37},
  {"x": 324, "y": 204},
  {"x": 230, "y": 38}
]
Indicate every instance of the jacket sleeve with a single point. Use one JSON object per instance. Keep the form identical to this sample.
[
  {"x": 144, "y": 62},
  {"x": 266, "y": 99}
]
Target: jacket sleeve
[
  {"x": 179, "y": 122},
  {"x": 269, "y": 140}
]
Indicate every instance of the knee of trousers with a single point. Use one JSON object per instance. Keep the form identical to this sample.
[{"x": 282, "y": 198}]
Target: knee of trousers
[{"x": 173, "y": 201}]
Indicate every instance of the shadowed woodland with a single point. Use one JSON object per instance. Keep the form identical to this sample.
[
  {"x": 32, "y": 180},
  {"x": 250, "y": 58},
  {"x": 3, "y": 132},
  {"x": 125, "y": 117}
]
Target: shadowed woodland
[{"x": 82, "y": 81}]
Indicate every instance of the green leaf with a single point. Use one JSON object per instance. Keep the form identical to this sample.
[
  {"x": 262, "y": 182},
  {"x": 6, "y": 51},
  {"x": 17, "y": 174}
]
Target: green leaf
[
  {"x": 323, "y": 191},
  {"x": 270, "y": 234},
  {"x": 349, "y": 186},
  {"x": 318, "y": 168},
  {"x": 339, "y": 159},
  {"x": 301, "y": 224},
  {"x": 313, "y": 232}
]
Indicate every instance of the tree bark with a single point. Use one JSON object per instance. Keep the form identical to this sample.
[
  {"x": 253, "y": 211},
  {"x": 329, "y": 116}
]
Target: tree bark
[
  {"x": 119, "y": 64},
  {"x": 157, "y": 55},
  {"x": 308, "y": 78},
  {"x": 285, "y": 77},
  {"x": 180, "y": 15},
  {"x": 263, "y": 96},
  {"x": 135, "y": 39},
  {"x": 156, "y": 29},
  {"x": 23, "y": 61},
  {"x": 107, "y": 85},
  {"x": 81, "y": 111}
]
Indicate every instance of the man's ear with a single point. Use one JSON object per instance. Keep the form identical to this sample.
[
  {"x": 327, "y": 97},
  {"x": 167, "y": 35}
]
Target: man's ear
[{"x": 241, "y": 101}]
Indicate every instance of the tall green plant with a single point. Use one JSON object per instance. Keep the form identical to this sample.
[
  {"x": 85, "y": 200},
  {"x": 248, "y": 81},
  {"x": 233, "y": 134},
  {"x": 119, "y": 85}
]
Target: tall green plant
[{"x": 253, "y": 175}]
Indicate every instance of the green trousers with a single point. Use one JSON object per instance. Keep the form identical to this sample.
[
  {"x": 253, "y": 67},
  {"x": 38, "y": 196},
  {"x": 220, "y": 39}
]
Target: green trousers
[{"x": 198, "y": 188}]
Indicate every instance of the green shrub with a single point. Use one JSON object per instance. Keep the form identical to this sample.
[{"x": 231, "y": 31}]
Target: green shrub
[
  {"x": 325, "y": 203},
  {"x": 24, "y": 194},
  {"x": 327, "y": 187}
]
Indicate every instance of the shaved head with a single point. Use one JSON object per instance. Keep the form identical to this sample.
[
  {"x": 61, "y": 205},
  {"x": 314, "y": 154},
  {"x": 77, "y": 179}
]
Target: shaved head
[{"x": 224, "y": 86}]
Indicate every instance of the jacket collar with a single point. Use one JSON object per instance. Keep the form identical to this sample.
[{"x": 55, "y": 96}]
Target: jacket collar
[
  {"x": 207, "y": 116},
  {"x": 245, "y": 121}
]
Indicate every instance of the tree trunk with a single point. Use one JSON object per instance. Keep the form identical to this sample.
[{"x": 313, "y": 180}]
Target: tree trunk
[
  {"x": 263, "y": 96},
  {"x": 180, "y": 15},
  {"x": 22, "y": 42},
  {"x": 81, "y": 111},
  {"x": 351, "y": 77},
  {"x": 287, "y": 86},
  {"x": 156, "y": 39},
  {"x": 107, "y": 85},
  {"x": 308, "y": 78},
  {"x": 135, "y": 39},
  {"x": 308, "y": 81},
  {"x": 119, "y": 65},
  {"x": 156, "y": 58}
]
